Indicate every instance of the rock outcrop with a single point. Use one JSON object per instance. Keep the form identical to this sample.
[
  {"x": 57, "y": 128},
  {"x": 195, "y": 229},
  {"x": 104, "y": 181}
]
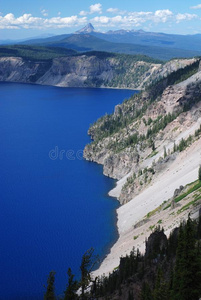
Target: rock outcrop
[
  {"x": 144, "y": 135},
  {"x": 95, "y": 70}
]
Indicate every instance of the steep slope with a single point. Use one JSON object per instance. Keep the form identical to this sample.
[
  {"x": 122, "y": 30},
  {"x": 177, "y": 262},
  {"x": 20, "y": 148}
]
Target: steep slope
[
  {"x": 95, "y": 69},
  {"x": 151, "y": 144}
]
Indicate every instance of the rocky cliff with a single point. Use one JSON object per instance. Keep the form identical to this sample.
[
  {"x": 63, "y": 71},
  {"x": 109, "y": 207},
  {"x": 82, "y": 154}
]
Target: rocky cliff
[
  {"x": 87, "y": 70},
  {"x": 152, "y": 145},
  {"x": 129, "y": 141},
  {"x": 95, "y": 70}
]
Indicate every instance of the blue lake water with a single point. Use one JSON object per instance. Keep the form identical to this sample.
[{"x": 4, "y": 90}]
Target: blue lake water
[{"x": 53, "y": 205}]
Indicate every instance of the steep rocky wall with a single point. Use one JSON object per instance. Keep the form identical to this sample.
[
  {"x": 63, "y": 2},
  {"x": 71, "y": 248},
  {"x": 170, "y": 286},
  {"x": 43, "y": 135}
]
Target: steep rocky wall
[
  {"x": 15, "y": 69},
  {"x": 78, "y": 71},
  {"x": 143, "y": 147}
]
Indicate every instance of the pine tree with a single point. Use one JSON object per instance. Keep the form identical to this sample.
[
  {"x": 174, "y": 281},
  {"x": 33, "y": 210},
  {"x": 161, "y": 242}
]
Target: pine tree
[
  {"x": 130, "y": 295},
  {"x": 87, "y": 264},
  {"x": 72, "y": 287},
  {"x": 199, "y": 228},
  {"x": 146, "y": 293},
  {"x": 165, "y": 152},
  {"x": 199, "y": 173},
  {"x": 161, "y": 288},
  {"x": 187, "y": 274},
  {"x": 50, "y": 293}
]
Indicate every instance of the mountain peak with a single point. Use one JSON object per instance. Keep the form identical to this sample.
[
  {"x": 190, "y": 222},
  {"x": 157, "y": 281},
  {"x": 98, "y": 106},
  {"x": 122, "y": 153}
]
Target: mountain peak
[{"x": 87, "y": 29}]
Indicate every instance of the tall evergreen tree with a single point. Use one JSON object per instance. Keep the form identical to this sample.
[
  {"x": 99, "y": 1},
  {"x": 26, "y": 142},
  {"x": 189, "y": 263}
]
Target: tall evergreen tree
[
  {"x": 146, "y": 293},
  {"x": 87, "y": 264},
  {"x": 130, "y": 295},
  {"x": 199, "y": 173},
  {"x": 50, "y": 293},
  {"x": 187, "y": 271},
  {"x": 72, "y": 287}
]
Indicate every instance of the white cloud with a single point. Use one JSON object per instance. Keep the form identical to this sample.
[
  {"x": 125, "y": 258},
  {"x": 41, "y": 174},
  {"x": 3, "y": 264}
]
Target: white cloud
[
  {"x": 116, "y": 11},
  {"x": 113, "y": 10},
  {"x": 96, "y": 8},
  {"x": 83, "y": 13},
  {"x": 93, "y": 9},
  {"x": 101, "y": 20},
  {"x": 185, "y": 17},
  {"x": 127, "y": 20},
  {"x": 44, "y": 12},
  {"x": 136, "y": 19},
  {"x": 162, "y": 15},
  {"x": 27, "y": 21},
  {"x": 196, "y": 6}
]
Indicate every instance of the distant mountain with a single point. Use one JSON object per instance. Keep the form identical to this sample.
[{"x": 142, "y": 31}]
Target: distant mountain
[
  {"x": 141, "y": 37},
  {"x": 12, "y": 42},
  {"x": 43, "y": 41},
  {"x": 87, "y": 29},
  {"x": 6, "y": 42},
  {"x": 153, "y": 44},
  {"x": 90, "y": 42}
]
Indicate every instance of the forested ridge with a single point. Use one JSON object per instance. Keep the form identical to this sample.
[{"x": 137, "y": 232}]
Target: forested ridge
[{"x": 170, "y": 269}]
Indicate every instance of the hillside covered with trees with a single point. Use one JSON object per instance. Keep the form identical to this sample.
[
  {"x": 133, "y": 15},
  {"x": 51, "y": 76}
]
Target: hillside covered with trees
[{"x": 170, "y": 269}]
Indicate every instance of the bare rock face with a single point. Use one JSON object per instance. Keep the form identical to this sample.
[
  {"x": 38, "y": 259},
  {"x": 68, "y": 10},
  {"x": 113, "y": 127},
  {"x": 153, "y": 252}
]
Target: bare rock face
[
  {"x": 78, "y": 71},
  {"x": 178, "y": 191},
  {"x": 118, "y": 165},
  {"x": 156, "y": 243},
  {"x": 135, "y": 148},
  {"x": 15, "y": 69}
]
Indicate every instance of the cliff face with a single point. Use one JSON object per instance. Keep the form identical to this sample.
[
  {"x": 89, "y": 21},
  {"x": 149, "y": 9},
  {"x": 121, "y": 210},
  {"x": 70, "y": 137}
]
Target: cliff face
[
  {"x": 152, "y": 145},
  {"x": 16, "y": 69},
  {"x": 142, "y": 137},
  {"x": 79, "y": 71}
]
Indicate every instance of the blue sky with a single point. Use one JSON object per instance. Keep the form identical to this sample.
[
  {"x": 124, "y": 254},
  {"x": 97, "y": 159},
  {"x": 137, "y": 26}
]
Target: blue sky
[{"x": 27, "y": 18}]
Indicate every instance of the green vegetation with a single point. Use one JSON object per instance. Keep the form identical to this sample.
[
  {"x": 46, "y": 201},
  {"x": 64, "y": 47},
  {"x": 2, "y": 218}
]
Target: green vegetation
[
  {"x": 170, "y": 269},
  {"x": 185, "y": 207},
  {"x": 187, "y": 271},
  {"x": 153, "y": 153},
  {"x": 184, "y": 143},
  {"x": 50, "y": 290},
  {"x": 199, "y": 173},
  {"x": 129, "y": 181},
  {"x": 135, "y": 108},
  {"x": 194, "y": 186},
  {"x": 81, "y": 42},
  {"x": 72, "y": 287},
  {"x": 34, "y": 53},
  {"x": 157, "y": 87}
]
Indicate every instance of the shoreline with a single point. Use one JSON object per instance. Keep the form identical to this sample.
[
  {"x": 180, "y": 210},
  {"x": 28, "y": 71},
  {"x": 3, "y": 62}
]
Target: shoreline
[
  {"x": 74, "y": 87},
  {"x": 182, "y": 171}
]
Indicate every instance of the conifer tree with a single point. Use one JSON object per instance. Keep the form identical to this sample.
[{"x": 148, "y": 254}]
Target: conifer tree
[
  {"x": 199, "y": 173},
  {"x": 165, "y": 152},
  {"x": 130, "y": 295},
  {"x": 146, "y": 293},
  {"x": 50, "y": 293},
  {"x": 87, "y": 264},
  {"x": 187, "y": 278},
  {"x": 72, "y": 287}
]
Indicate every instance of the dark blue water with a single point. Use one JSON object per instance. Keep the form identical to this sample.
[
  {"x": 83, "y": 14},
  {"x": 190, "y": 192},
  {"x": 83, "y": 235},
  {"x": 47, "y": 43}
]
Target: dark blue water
[{"x": 51, "y": 209}]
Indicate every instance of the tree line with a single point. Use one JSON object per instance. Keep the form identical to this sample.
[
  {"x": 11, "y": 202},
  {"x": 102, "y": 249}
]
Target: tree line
[{"x": 170, "y": 269}]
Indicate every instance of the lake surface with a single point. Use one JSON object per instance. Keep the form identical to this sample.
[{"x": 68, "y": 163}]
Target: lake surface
[{"x": 53, "y": 204}]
